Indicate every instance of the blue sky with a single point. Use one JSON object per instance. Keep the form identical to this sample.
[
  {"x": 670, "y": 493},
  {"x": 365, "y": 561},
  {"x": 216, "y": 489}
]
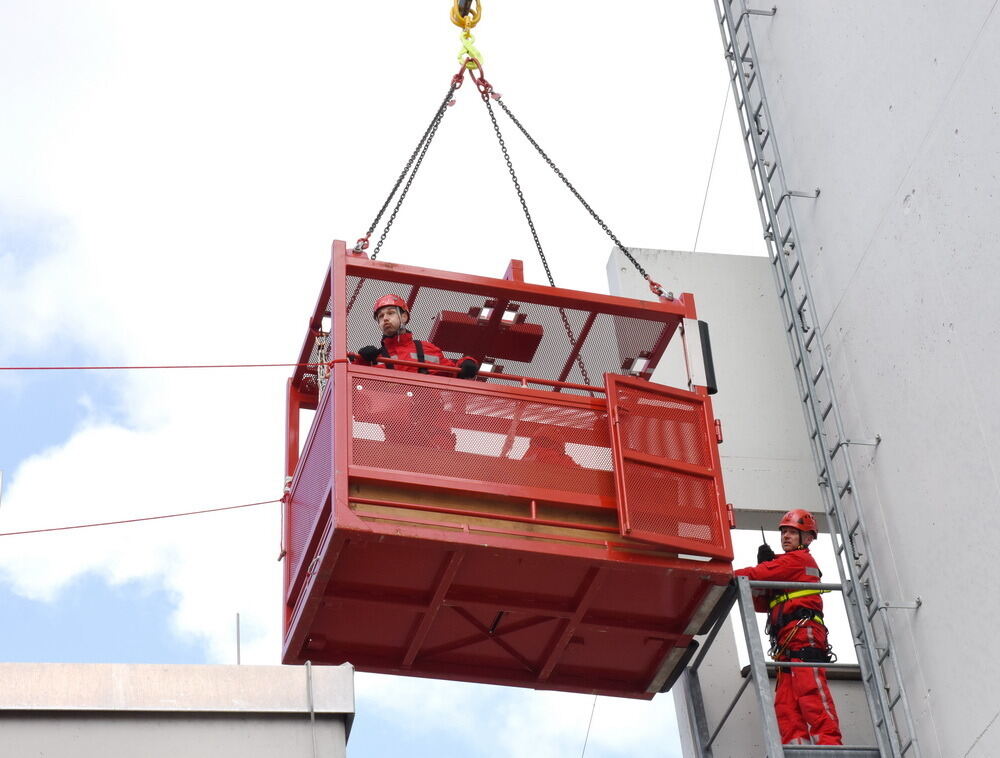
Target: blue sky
[{"x": 172, "y": 176}]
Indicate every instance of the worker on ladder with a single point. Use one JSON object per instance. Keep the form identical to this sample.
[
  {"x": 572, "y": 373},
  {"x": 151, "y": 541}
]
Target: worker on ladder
[{"x": 802, "y": 701}]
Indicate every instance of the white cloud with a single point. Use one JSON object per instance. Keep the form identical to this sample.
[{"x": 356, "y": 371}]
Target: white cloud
[{"x": 511, "y": 721}]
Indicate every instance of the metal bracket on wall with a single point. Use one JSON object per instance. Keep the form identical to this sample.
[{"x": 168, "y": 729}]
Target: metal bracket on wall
[
  {"x": 870, "y": 443},
  {"x": 909, "y": 606}
]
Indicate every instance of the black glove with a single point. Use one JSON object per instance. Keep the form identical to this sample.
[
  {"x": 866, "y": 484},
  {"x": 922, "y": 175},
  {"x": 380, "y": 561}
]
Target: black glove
[
  {"x": 467, "y": 369},
  {"x": 765, "y": 553},
  {"x": 369, "y": 354}
]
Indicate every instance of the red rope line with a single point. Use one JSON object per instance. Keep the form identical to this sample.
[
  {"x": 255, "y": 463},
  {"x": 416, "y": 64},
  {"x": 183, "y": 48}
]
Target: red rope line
[
  {"x": 133, "y": 520},
  {"x": 130, "y": 368}
]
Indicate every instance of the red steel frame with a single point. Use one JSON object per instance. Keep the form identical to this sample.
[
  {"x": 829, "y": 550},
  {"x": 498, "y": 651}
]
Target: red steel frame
[{"x": 588, "y": 604}]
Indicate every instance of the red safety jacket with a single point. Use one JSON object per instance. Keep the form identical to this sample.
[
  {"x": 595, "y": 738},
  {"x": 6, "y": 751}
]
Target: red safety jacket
[
  {"x": 404, "y": 347},
  {"x": 781, "y": 606}
]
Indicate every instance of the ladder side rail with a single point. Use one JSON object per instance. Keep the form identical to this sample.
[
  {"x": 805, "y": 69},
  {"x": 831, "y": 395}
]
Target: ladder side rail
[
  {"x": 833, "y": 494},
  {"x": 694, "y": 700},
  {"x": 871, "y": 582},
  {"x": 772, "y": 236},
  {"x": 697, "y": 717},
  {"x": 758, "y": 670}
]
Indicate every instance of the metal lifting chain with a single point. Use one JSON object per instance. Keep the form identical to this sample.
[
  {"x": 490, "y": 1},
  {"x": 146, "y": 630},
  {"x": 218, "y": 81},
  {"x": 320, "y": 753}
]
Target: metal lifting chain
[
  {"x": 656, "y": 288},
  {"x": 420, "y": 150},
  {"x": 486, "y": 92}
]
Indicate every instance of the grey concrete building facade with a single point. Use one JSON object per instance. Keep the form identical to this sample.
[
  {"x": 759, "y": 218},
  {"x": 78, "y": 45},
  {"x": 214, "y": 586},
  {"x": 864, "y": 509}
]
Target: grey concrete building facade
[{"x": 53, "y": 710}]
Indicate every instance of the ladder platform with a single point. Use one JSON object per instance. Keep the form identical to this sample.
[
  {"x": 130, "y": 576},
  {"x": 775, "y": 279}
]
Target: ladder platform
[{"x": 840, "y": 751}]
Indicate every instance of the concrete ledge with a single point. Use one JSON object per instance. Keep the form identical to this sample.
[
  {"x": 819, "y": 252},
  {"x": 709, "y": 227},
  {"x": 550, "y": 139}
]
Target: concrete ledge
[{"x": 182, "y": 688}]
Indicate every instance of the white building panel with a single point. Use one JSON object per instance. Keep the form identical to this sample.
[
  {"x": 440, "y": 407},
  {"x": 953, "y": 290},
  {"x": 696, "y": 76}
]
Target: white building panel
[
  {"x": 54, "y": 710},
  {"x": 893, "y": 110}
]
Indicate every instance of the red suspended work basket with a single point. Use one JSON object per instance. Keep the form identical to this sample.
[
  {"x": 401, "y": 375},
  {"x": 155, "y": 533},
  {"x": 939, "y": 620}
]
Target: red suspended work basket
[{"x": 558, "y": 523}]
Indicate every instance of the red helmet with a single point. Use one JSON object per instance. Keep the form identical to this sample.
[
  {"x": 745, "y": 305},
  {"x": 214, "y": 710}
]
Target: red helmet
[
  {"x": 799, "y": 519},
  {"x": 385, "y": 300}
]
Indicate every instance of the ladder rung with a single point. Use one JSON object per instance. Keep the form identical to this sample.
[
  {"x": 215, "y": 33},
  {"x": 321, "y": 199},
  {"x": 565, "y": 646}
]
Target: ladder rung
[
  {"x": 751, "y": 80},
  {"x": 854, "y": 751},
  {"x": 770, "y": 173},
  {"x": 818, "y": 374},
  {"x": 767, "y": 136},
  {"x": 895, "y": 701},
  {"x": 802, "y": 303},
  {"x": 794, "y": 270},
  {"x": 788, "y": 234},
  {"x": 909, "y": 744},
  {"x": 864, "y": 569},
  {"x": 854, "y": 528},
  {"x": 826, "y": 412},
  {"x": 846, "y": 488},
  {"x": 882, "y": 657}
]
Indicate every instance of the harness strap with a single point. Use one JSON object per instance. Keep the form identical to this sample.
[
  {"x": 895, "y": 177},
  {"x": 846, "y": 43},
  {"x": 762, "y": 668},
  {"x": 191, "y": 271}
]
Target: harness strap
[
  {"x": 420, "y": 356},
  {"x": 792, "y": 595}
]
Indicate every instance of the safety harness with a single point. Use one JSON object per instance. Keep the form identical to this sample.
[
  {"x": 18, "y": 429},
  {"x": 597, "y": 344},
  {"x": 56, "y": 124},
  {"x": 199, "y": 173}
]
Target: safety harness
[
  {"x": 420, "y": 355},
  {"x": 777, "y": 622}
]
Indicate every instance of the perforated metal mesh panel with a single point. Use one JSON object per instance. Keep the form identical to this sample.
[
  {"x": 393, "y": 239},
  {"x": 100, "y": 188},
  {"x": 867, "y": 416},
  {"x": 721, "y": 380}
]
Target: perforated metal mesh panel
[
  {"x": 603, "y": 342},
  {"x": 308, "y": 497},
  {"x": 663, "y": 426},
  {"x": 490, "y": 439},
  {"x": 658, "y": 432},
  {"x": 665, "y": 502}
]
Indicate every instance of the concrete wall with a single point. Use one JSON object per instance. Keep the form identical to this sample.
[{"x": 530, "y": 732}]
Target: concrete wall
[
  {"x": 766, "y": 463},
  {"x": 893, "y": 110},
  {"x": 96, "y": 710}
]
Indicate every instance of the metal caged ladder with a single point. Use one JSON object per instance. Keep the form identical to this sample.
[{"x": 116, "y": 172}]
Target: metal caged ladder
[{"x": 867, "y": 609}]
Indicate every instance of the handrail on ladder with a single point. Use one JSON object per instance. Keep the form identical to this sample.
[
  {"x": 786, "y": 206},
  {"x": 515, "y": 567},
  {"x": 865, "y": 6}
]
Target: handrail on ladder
[{"x": 739, "y": 592}]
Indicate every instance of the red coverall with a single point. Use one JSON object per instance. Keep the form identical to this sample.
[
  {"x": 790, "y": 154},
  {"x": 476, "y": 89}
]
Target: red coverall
[
  {"x": 802, "y": 700},
  {"x": 425, "y": 426}
]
